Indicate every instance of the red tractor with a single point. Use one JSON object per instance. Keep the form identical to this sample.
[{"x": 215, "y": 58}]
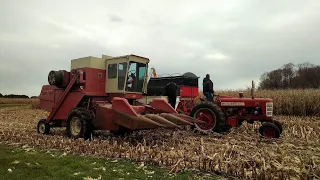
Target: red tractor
[
  {"x": 222, "y": 114},
  {"x": 99, "y": 94},
  {"x": 227, "y": 112}
]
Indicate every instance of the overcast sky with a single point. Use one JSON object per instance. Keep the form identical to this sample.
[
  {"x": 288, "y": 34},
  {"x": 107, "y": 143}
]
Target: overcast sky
[{"x": 234, "y": 41}]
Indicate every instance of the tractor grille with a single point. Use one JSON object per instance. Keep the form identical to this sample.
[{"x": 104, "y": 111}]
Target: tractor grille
[{"x": 269, "y": 109}]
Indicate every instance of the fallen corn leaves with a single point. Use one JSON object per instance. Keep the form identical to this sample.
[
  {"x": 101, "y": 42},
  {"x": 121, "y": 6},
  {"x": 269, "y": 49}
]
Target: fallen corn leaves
[{"x": 241, "y": 153}]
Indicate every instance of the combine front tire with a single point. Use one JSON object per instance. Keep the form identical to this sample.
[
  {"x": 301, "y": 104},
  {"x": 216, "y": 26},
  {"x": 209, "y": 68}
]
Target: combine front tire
[
  {"x": 211, "y": 114},
  {"x": 79, "y": 124},
  {"x": 43, "y": 127},
  {"x": 269, "y": 130}
]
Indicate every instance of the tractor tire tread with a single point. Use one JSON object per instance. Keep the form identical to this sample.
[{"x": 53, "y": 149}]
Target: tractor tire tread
[
  {"x": 270, "y": 124},
  {"x": 279, "y": 124}
]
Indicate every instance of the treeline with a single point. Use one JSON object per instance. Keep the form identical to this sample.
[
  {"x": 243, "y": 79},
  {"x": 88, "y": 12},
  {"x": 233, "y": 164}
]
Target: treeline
[
  {"x": 16, "y": 96},
  {"x": 291, "y": 76}
]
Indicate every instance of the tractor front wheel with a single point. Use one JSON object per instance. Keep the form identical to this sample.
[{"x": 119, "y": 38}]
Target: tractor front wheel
[
  {"x": 211, "y": 114},
  {"x": 79, "y": 124},
  {"x": 43, "y": 127},
  {"x": 279, "y": 124},
  {"x": 269, "y": 130}
]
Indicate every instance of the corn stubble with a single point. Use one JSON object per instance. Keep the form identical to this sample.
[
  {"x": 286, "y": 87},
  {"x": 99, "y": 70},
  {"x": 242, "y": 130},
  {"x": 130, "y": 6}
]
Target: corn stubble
[{"x": 240, "y": 154}]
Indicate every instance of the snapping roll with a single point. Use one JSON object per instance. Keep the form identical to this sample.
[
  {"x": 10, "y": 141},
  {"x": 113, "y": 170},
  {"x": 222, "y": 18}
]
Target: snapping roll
[{"x": 151, "y": 121}]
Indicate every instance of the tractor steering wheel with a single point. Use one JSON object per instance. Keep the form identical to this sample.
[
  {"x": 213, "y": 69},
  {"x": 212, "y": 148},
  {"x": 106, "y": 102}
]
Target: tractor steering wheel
[{"x": 131, "y": 72}]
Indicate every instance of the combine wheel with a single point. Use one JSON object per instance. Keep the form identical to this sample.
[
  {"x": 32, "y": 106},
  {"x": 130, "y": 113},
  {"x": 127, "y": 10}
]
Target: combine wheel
[
  {"x": 43, "y": 127},
  {"x": 269, "y": 130},
  {"x": 211, "y": 114},
  {"x": 79, "y": 124}
]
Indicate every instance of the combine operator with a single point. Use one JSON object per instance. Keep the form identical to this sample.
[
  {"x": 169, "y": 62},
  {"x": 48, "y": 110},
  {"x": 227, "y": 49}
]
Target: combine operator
[
  {"x": 171, "y": 92},
  {"x": 208, "y": 88}
]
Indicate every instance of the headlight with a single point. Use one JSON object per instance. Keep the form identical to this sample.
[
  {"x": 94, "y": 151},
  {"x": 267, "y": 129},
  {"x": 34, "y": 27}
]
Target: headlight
[{"x": 269, "y": 109}]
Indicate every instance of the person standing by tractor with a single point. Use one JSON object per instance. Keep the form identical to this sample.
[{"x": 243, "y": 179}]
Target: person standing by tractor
[
  {"x": 208, "y": 88},
  {"x": 171, "y": 92}
]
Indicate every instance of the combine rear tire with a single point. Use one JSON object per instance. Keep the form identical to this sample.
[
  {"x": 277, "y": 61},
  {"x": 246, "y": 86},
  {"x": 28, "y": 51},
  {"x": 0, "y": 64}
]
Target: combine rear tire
[
  {"x": 211, "y": 114},
  {"x": 79, "y": 124},
  {"x": 269, "y": 130},
  {"x": 43, "y": 127}
]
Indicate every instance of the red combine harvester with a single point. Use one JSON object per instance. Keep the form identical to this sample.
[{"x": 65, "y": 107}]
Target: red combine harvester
[
  {"x": 222, "y": 114},
  {"x": 99, "y": 93}
]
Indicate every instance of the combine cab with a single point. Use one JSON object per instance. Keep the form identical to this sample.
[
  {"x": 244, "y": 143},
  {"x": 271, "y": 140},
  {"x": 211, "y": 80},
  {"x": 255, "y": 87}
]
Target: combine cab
[{"x": 99, "y": 93}]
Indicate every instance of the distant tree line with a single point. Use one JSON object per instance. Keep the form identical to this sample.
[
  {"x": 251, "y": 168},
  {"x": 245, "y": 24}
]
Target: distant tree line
[
  {"x": 301, "y": 76},
  {"x": 16, "y": 96}
]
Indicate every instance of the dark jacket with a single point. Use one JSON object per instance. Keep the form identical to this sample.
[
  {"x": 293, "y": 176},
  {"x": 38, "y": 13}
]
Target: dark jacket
[
  {"x": 207, "y": 85},
  {"x": 171, "y": 89}
]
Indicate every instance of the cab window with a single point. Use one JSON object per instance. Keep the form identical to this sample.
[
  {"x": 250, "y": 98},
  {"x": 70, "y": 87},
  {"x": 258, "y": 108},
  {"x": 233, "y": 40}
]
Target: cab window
[
  {"x": 112, "y": 71},
  {"x": 122, "y": 70},
  {"x": 136, "y": 76}
]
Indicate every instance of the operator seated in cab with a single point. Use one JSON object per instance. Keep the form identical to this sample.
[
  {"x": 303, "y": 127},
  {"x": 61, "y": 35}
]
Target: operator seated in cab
[
  {"x": 131, "y": 84},
  {"x": 208, "y": 88}
]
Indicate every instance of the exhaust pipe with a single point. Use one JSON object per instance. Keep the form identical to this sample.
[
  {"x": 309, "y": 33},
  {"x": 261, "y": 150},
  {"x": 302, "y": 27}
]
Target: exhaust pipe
[{"x": 252, "y": 90}]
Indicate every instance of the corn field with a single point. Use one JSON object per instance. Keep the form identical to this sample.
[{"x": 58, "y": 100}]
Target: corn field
[
  {"x": 240, "y": 154},
  {"x": 286, "y": 102},
  {"x": 33, "y": 102}
]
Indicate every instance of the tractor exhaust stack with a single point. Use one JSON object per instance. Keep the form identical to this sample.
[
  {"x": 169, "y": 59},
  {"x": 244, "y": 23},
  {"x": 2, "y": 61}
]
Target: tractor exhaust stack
[{"x": 252, "y": 90}]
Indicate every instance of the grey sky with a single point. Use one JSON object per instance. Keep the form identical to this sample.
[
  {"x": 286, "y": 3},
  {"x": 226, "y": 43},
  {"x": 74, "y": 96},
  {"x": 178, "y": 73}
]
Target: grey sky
[{"x": 234, "y": 41}]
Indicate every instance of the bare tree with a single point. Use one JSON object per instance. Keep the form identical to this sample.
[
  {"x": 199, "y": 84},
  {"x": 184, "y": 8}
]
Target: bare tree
[{"x": 304, "y": 75}]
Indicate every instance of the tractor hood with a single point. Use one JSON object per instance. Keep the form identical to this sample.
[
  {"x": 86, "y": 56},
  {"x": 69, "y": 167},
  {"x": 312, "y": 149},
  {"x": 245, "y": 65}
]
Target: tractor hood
[{"x": 237, "y": 101}]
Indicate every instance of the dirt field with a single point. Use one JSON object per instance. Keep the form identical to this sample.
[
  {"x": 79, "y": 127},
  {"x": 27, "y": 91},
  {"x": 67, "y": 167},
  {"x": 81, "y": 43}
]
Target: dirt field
[{"x": 241, "y": 153}]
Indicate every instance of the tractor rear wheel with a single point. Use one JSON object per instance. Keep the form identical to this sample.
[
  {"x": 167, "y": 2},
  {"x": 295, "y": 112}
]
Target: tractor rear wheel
[
  {"x": 43, "y": 127},
  {"x": 211, "y": 114},
  {"x": 79, "y": 124},
  {"x": 269, "y": 130}
]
